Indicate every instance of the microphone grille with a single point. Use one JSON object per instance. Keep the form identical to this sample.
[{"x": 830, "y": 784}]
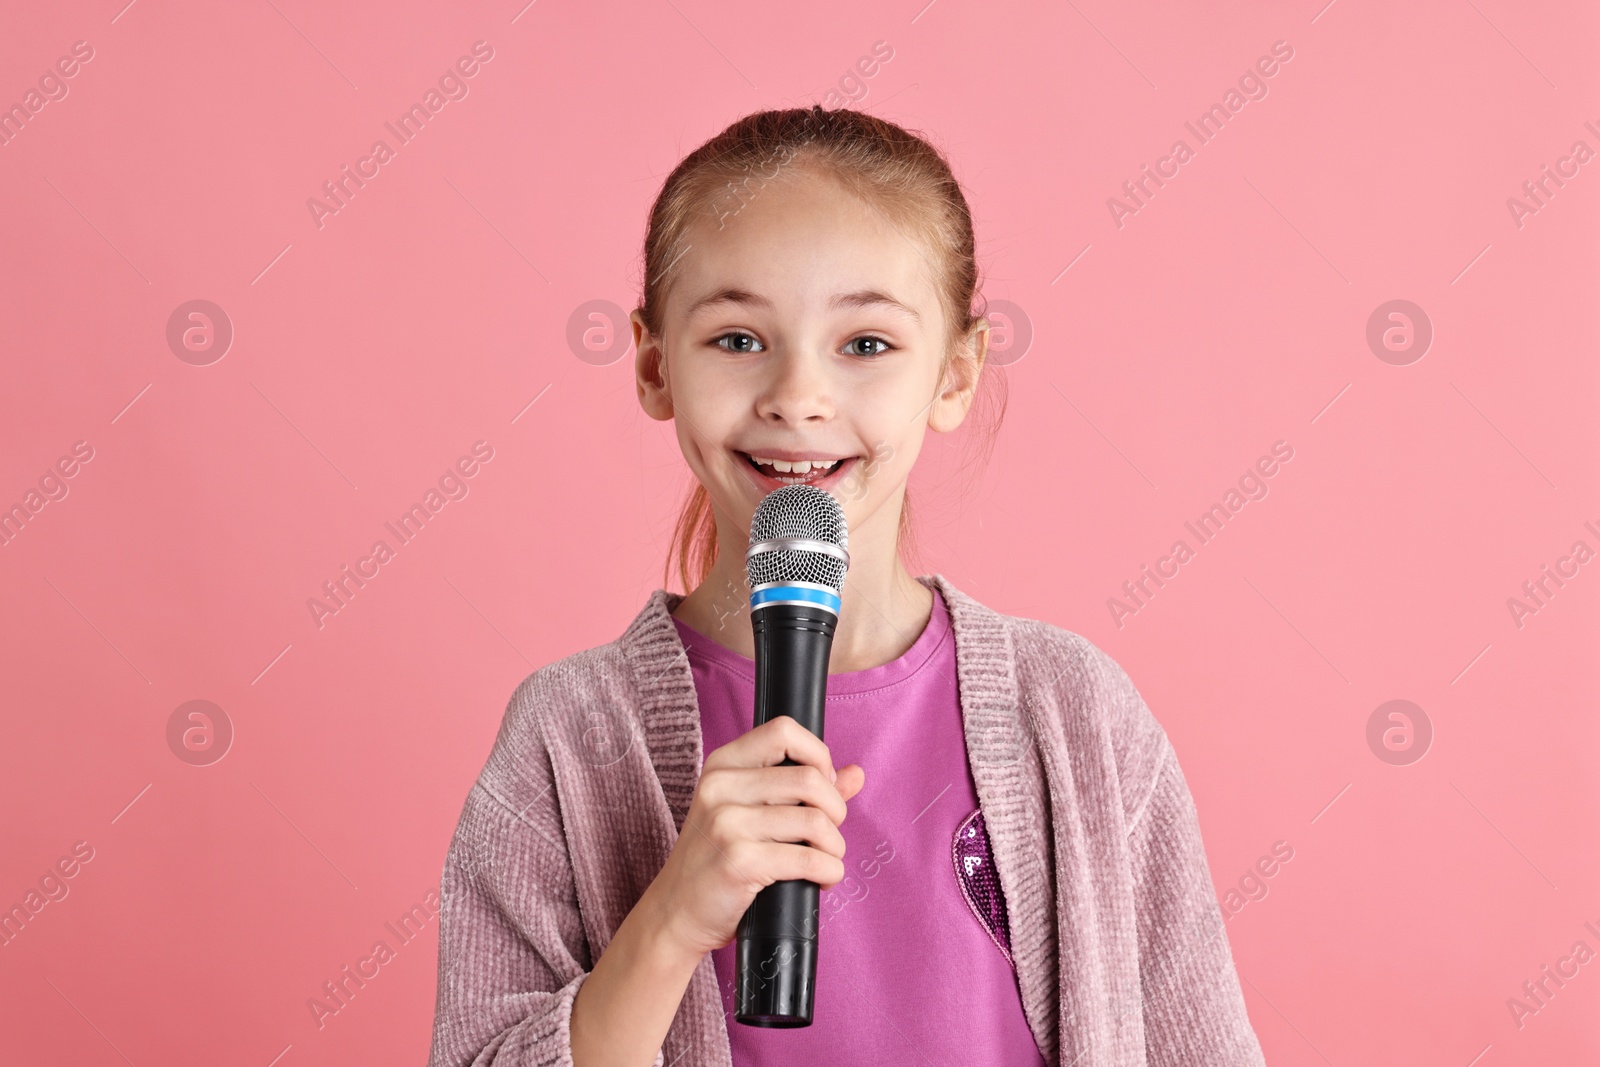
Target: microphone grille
[{"x": 798, "y": 511}]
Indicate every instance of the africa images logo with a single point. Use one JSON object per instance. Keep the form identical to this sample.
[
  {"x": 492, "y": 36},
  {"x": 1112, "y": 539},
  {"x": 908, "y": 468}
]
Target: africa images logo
[{"x": 452, "y": 85}]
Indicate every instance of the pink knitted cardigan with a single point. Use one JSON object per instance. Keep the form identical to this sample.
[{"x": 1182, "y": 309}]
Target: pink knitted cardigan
[{"x": 1121, "y": 954}]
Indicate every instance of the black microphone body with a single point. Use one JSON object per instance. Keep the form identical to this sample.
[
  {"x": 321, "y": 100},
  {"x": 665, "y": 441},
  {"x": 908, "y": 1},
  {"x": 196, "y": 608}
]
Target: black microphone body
[
  {"x": 777, "y": 937},
  {"x": 796, "y": 563}
]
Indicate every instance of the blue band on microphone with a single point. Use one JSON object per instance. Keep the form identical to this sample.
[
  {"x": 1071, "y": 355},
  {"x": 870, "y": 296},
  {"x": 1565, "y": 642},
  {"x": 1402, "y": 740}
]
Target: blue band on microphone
[{"x": 806, "y": 594}]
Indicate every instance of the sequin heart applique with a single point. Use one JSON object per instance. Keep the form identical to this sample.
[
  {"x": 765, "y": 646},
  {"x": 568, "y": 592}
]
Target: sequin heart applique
[{"x": 980, "y": 882}]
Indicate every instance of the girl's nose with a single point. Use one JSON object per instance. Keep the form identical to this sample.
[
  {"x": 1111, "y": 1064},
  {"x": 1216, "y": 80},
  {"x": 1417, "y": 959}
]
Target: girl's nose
[{"x": 798, "y": 391}]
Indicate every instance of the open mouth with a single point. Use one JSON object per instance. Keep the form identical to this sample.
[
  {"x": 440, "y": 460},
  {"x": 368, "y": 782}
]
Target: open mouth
[{"x": 801, "y": 473}]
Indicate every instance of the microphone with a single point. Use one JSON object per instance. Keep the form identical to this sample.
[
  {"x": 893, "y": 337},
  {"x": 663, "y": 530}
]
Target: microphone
[{"x": 796, "y": 564}]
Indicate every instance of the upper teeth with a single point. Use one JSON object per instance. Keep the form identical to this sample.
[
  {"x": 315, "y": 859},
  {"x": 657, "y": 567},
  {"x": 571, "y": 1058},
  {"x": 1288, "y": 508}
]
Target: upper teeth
[{"x": 803, "y": 466}]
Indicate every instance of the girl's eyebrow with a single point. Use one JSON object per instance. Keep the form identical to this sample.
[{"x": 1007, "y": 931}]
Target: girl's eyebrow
[
  {"x": 863, "y": 298},
  {"x": 872, "y": 298},
  {"x": 729, "y": 295}
]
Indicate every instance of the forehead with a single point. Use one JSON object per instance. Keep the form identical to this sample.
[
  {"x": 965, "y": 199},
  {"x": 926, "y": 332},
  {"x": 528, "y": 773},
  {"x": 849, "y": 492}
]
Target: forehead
[{"x": 799, "y": 241}]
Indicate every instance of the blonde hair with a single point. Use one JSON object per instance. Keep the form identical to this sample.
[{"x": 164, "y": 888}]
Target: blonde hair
[{"x": 889, "y": 167}]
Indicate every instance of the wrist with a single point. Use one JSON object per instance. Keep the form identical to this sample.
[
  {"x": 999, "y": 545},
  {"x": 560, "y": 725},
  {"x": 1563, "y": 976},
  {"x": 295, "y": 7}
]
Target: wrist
[{"x": 657, "y": 937}]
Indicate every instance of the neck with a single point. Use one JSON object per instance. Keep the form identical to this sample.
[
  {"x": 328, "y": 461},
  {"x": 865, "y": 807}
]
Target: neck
[{"x": 884, "y": 609}]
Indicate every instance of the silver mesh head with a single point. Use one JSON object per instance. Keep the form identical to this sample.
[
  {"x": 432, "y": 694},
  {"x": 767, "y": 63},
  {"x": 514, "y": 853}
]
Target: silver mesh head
[{"x": 799, "y": 511}]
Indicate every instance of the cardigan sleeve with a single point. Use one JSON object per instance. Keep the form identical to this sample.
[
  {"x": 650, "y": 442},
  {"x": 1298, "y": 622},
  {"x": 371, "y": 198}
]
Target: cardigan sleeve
[
  {"x": 1194, "y": 1010},
  {"x": 512, "y": 949}
]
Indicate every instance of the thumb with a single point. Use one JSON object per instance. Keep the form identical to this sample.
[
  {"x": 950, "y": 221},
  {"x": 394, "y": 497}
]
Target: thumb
[{"x": 851, "y": 779}]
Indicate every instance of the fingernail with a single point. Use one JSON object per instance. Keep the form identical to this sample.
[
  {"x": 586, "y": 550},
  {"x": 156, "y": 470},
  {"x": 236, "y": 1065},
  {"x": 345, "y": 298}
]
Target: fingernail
[{"x": 833, "y": 775}]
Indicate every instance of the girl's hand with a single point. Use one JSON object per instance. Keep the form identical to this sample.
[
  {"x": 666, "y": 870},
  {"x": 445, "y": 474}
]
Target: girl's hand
[{"x": 736, "y": 837}]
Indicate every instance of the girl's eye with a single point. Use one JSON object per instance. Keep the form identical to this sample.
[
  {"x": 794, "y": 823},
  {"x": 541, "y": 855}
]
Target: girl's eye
[
  {"x": 743, "y": 343},
  {"x": 870, "y": 340},
  {"x": 740, "y": 335}
]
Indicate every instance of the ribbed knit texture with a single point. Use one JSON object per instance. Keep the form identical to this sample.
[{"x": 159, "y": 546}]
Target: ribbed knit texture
[{"x": 1121, "y": 954}]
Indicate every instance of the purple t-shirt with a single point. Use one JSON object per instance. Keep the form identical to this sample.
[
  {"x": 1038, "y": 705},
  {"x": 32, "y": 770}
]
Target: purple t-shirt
[{"x": 913, "y": 951}]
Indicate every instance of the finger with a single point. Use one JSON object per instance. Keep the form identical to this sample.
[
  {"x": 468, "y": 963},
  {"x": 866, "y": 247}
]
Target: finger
[
  {"x": 851, "y": 779},
  {"x": 790, "y": 740},
  {"x": 815, "y": 752},
  {"x": 774, "y": 741},
  {"x": 801, "y": 784},
  {"x": 797, "y": 824},
  {"x": 800, "y": 862}
]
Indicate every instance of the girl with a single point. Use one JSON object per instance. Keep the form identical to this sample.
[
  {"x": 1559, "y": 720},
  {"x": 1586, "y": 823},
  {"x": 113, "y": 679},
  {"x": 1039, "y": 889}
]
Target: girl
[{"x": 1020, "y": 879}]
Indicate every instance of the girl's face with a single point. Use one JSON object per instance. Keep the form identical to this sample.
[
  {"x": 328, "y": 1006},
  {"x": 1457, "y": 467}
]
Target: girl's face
[{"x": 804, "y": 327}]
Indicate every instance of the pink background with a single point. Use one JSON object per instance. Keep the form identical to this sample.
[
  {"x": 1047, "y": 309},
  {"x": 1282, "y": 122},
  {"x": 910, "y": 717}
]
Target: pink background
[{"x": 1230, "y": 312}]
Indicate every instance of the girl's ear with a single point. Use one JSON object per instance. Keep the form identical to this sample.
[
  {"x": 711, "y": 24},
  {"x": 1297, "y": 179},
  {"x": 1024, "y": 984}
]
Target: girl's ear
[
  {"x": 650, "y": 371},
  {"x": 960, "y": 383}
]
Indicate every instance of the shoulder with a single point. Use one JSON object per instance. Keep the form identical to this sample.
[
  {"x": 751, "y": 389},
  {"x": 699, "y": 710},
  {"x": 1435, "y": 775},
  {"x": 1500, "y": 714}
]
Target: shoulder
[
  {"x": 522, "y": 783},
  {"x": 1081, "y": 700},
  {"x": 555, "y": 704},
  {"x": 588, "y": 709},
  {"x": 605, "y": 676}
]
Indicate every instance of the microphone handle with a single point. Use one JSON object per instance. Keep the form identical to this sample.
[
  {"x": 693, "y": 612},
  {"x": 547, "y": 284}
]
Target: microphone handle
[{"x": 776, "y": 968}]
